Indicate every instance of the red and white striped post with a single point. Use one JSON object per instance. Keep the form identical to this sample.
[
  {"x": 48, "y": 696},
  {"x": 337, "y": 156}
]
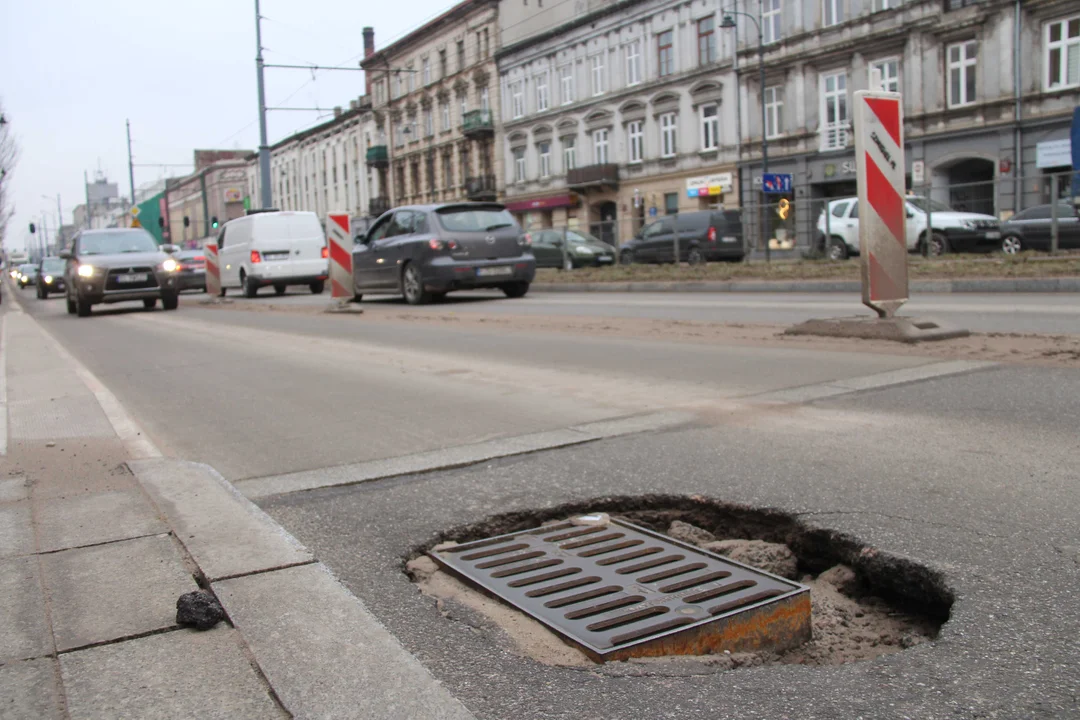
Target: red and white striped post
[
  {"x": 879, "y": 157},
  {"x": 213, "y": 269},
  {"x": 340, "y": 242}
]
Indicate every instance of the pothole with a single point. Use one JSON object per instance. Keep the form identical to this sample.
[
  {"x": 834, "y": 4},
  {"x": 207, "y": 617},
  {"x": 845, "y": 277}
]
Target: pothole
[{"x": 864, "y": 603}]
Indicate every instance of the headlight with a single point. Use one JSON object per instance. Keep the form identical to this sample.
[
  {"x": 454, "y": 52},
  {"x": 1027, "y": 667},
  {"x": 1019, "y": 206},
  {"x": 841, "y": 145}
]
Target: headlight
[
  {"x": 86, "y": 271},
  {"x": 48, "y": 279},
  {"x": 969, "y": 224},
  {"x": 583, "y": 251},
  {"x": 169, "y": 265}
]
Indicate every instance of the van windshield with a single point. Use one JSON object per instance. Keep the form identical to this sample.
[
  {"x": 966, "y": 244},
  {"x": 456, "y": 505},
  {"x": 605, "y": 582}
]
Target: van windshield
[{"x": 287, "y": 226}]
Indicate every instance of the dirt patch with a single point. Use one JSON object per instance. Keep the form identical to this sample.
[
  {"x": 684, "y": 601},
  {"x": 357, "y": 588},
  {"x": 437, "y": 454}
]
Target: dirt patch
[{"x": 865, "y": 603}]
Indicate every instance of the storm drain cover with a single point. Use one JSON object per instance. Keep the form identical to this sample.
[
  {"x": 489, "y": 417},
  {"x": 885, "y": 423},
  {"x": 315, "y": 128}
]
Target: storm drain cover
[{"x": 617, "y": 590}]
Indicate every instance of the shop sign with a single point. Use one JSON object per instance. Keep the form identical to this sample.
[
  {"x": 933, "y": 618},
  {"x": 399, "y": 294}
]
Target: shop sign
[
  {"x": 708, "y": 185},
  {"x": 1053, "y": 153}
]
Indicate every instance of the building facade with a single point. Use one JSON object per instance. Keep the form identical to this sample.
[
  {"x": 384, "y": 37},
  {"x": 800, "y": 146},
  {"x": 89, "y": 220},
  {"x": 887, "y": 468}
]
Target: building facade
[
  {"x": 214, "y": 192},
  {"x": 988, "y": 91},
  {"x": 617, "y": 112},
  {"x": 435, "y": 101}
]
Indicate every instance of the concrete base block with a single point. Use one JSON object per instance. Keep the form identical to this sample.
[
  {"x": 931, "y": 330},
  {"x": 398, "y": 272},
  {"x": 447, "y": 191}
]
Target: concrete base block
[
  {"x": 898, "y": 329},
  {"x": 344, "y": 305}
]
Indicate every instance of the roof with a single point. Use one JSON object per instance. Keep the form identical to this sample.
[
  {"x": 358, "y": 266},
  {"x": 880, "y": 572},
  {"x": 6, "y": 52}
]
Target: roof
[{"x": 379, "y": 59}]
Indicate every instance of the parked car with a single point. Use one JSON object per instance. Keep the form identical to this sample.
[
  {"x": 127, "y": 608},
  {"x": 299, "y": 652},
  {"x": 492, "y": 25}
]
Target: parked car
[
  {"x": 953, "y": 231},
  {"x": 426, "y": 251},
  {"x": 581, "y": 249},
  {"x": 1030, "y": 229},
  {"x": 119, "y": 265},
  {"x": 703, "y": 235},
  {"x": 51, "y": 277},
  {"x": 28, "y": 274},
  {"x": 191, "y": 272},
  {"x": 277, "y": 248}
]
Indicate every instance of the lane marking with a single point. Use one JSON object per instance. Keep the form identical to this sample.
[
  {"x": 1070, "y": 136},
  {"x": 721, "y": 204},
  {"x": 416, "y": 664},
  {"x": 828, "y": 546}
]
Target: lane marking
[{"x": 137, "y": 443}]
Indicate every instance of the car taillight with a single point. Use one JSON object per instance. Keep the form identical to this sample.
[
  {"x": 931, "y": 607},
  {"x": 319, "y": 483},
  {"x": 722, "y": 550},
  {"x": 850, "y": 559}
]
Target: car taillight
[
  {"x": 325, "y": 252},
  {"x": 525, "y": 240},
  {"x": 712, "y": 234},
  {"x": 435, "y": 244},
  {"x": 256, "y": 257}
]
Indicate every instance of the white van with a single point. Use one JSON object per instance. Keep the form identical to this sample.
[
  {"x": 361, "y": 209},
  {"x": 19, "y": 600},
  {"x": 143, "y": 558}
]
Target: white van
[{"x": 272, "y": 248}]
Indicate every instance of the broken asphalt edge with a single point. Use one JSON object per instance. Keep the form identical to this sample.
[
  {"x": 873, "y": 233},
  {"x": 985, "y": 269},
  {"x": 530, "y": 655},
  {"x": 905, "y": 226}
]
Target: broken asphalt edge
[{"x": 972, "y": 285}]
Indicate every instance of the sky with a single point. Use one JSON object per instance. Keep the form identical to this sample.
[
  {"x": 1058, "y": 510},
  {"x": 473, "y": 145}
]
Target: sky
[{"x": 72, "y": 71}]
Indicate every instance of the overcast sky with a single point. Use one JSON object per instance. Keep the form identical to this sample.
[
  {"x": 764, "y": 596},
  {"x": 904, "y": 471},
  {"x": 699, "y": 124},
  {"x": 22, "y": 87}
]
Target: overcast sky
[{"x": 184, "y": 73}]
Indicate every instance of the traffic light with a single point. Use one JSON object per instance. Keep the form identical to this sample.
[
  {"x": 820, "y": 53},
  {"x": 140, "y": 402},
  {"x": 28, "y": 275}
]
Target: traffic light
[
  {"x": 33, "y": 228},
  {"x": 783, "y": 208},
  {"x": 187, "y": 221},
  {"x": 214, "y": 222}
]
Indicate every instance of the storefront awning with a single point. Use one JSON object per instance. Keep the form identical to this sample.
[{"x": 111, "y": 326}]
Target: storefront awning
[{"x": 553, "y": 201}]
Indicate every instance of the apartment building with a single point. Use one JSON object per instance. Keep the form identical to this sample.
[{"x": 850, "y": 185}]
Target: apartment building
[
  {"x": 615, "y": 112},
  {"x": 214, "y": 190},
  {"x": 988, "y": 90},
  {"x": 435, "y": 101}
]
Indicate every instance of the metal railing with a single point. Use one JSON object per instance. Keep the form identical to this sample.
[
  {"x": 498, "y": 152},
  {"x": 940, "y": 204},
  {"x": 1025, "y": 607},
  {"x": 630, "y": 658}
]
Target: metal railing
[
  {"x": 477, "y": 121},
  {"x": 377, "y": 155}
]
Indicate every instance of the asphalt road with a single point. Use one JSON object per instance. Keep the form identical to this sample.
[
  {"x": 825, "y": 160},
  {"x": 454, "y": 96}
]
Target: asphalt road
[
  {"x": 994, "y": 312},
  {"x": 972, "y": 473}
]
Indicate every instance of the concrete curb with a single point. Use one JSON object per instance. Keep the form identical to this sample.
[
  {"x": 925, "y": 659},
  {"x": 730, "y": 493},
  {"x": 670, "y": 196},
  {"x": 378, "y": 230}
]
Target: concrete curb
[{"x": 972, "y": 285}]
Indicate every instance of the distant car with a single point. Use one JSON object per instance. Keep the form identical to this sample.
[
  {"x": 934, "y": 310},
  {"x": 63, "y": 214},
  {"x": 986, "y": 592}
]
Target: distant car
[
  {"x": 51, "y": 277},
  {"x": 953, "y": 231},
  {"x": 273, "y": 248},
  {"x": 703, "y": 235},
  {"x": 119, "y": 265},
  {"x": 582, "y": 249},
  {"x": 426, "y": 251},
  {"x": 27, "y": 275},
  {"x": 191, "y": 270},
  {"x": 1031, "y": 229}
]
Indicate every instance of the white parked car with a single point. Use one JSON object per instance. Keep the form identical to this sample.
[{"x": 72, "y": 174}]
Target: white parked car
[
  {"x": 273, "y": 248},
  {"x": 953, "y": 231}
]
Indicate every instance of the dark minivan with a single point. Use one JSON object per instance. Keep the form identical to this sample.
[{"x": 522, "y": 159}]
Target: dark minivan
[{"x": 703, "y": 235}]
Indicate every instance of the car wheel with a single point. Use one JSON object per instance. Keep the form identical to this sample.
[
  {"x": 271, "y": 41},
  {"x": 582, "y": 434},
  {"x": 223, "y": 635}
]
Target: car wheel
[
  {"x": 1011, "y": 245},
  {"x": 568, "y": 264},
  {"x": 412, "y": 285},
  {"x": 516, "y": 290},
  {"x": 221, "y": 292},
  {"x": 626, "y": 257},
  {"x": 71, "y": 308},
  {"x": 149, "y": 303},
  {"x": 279, "y": 289},
  {"x": 695, "y": 257},
  {"x": 82, "y": 307},
  {"x": 939, "y": 245},
  {"x": 357, "y": 297},
  {"x": 317, "y": 287},
  {"x": 250, "y": 288},
  {"x": 170, "y": 301},
  {"x": 838, "y": 249}
]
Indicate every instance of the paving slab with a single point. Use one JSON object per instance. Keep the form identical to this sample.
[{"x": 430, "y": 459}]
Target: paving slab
[
  {"x": 181, "y": 674},
  {"x": 28, "y": 690},
  {"x": 95, "y": 518},
  {"x": 13, "y": 489},
  {"x": 325, "y": 654},
  {"x": 16, "y": 529},
  {"x": 223, "y": 531},
  {"x": 24, "y": 632},
  {"x": 117, "y": 590},
  {"x": 78, "y": 416}
]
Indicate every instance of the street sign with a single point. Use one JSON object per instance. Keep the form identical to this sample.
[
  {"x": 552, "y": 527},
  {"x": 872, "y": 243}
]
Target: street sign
[
  {"x": 918, "y": 173},
  {"x": 135, "y": 211},
  {"x": 879, "y": 155},
  {"x": 652, "y": 212},
  {"x": 776, "y": 183}
]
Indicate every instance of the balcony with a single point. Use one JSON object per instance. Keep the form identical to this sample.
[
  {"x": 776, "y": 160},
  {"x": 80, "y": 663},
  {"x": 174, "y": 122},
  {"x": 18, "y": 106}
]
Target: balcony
[
  {"x": 481, "y": 188},
  {"x": 378, "y": 205},
  {"x": 377, "y": 156},
  {"x": 478, "y": 124},
  {"x": 835, "y": 136},
  {"x": 593, "y": 176}
]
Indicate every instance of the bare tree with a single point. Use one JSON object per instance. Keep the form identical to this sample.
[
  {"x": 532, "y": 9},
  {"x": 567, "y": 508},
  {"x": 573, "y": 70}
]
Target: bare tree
[{"x": 9, "y": 156}]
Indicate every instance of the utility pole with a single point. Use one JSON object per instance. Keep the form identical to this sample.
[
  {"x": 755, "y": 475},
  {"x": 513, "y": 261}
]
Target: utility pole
[
  {"x": 59, "y": 219},
  {"x": 86, "y": 187},
  {"x": 264, "y": 148},
  {"x": 131, "y": 166},
  {"x": 43, "y": 238}
]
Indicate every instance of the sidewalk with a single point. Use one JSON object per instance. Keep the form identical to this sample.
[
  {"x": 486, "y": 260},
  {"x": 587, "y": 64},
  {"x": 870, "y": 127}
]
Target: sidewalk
[
  {"x": 99, "y": 535},
  {"x": 969, "y": 285}
]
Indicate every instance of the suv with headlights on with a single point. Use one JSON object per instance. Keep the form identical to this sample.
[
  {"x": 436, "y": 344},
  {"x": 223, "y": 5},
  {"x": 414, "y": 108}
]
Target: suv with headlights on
[{"x": 119, "y": 265}]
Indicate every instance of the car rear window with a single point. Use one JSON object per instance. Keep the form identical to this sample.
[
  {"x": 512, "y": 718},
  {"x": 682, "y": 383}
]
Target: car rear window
[
  {"x": 286, "y": 226},
  {"x": 467, "y": 219}
]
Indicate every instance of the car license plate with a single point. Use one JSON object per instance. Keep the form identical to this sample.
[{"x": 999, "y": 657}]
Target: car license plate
[
  {"x": 284, "y": 255},
  {"x": 131, "y": 278},
  {"x": 604, "y": 259},
  {"x": 993, "y": 235},
  {"x": 730, "y": 239},
  {"x": 490, "y": 271}
]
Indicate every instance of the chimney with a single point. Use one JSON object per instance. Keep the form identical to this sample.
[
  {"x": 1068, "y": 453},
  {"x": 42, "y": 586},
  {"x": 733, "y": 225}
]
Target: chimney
[
  {"x": 353, "y": 104},
  {"x": 337, "y": 111},
  {"x": 369, "y": 50}
]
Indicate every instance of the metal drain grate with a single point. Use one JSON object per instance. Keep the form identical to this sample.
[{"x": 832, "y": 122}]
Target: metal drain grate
[{"x": 617, "y": 590}]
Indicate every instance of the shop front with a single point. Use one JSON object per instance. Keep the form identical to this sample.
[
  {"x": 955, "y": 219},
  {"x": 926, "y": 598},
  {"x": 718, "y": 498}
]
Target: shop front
[{"x": 544, "y": 212}]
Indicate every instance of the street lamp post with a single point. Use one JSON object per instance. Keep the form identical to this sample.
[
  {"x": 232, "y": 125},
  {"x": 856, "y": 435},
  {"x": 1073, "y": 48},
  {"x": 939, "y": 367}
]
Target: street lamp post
[{"x": 729, "y": 23}]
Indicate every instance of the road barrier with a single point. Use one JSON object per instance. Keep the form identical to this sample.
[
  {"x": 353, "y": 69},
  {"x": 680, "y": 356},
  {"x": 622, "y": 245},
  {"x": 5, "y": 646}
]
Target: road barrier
[
  {"x": 340, "y": 242},
  {"x": 213, "y": 270}
]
